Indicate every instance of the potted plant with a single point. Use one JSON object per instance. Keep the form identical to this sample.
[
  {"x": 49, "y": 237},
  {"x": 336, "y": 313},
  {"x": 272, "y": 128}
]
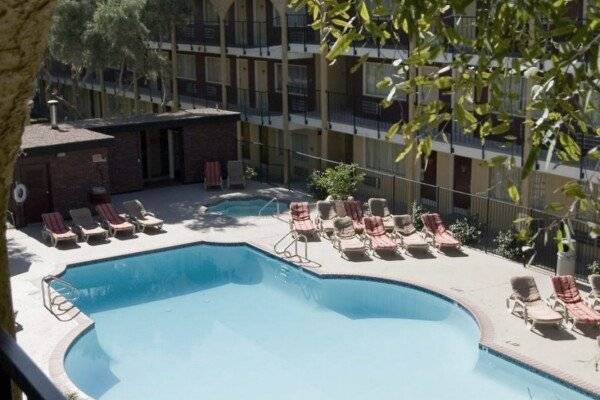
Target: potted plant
[{"x": 566, "y": 255}]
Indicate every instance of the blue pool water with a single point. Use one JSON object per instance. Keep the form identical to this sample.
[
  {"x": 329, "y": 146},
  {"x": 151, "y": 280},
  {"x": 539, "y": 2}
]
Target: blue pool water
[
  {"x": 249, "y": 207},
  {"x": 228, "y": 322}
]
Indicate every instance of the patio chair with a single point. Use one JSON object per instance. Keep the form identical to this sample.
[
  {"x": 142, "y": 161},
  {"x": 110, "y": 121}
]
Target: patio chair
[
  {"x": 410, "y": 238},
  {"x": 433, "y": 226},
  {"x": 354, "y": 210},
  {"x": 141, "y": 218},
  {"x": 593, "y": 297},
  {"x": 378, "y": 208},
  {"x": 345, "y": 240},
  {"x": 325, "y": 216},
  {"x": 55, "y": 230},
  {"x": 212, "y": 175},
  {"x": 235, "y": 173},
  {"x": 567, "y": 301},
  {"x": 86, "y": 224},
  {"x": 526, "y": 302},
  {"x": 300, "y": 222},
  {"x": 379, "y": 241},
  {"x": 114, "y": 222}
]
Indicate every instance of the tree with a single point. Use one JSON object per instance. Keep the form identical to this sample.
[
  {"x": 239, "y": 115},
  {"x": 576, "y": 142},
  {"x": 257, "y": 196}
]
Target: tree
[
  {"x": 556, "y": 53},
  {"x": 25, "y": 26},
  {"x": 65, "y": 42},
  {"x": 166, "y": 15}
]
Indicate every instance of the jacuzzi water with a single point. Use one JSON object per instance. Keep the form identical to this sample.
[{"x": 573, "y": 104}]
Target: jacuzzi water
[
  {"x": 247, "y": 207},
  {"x": 229, "y": 322}
]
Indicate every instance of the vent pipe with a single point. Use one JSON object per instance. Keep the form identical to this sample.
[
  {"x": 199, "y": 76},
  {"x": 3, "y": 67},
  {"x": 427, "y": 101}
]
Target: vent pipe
[{"x": 53, "y": 105}]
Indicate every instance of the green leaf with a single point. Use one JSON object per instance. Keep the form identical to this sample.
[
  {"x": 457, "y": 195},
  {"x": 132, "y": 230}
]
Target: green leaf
[
  {"x": 407, "y": 148},
  {"x": 513, "y": 192},
  {"x": 555, "y": 206},
  {"x": 364, "y": 12},
  {"x": 393, "y": 130},
  {"x": 496, "y": 161}
]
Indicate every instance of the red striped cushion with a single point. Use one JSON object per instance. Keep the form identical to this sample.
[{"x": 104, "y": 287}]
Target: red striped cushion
[
  {"x": 299, "y": 211},
  {"x": 566, "y": 289},
  {"x": 54, "y": 222},
  {"x": 445, "y": 239},
  {"x": 374, "y": 226},
  {"x": 304, "y": 226},
  {"x": 353, "y": 210},
  {"x": 108, "y": 212},
  {"x": 358, "y": 226},
  {"x": 212, "y": 173},
  {"x": 581, "y": 313}
]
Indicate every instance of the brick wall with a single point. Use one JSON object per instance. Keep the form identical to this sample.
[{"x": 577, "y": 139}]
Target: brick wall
[
  {"x": 125, "y": 164},
  {"x": 215, "y": 141},
  {"x": 69, "y": 177}
]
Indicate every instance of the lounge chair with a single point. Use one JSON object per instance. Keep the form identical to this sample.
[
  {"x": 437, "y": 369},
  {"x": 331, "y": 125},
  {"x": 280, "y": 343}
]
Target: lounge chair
[
  {"x": 345, "y": 240},
  {"x": 86, "y": 224},
  {"x": 212, "y": 175},
  {"x": 54, "y": 229},
  {"x": 379, "y": 240},
  {"x": 114, "y": 222},
  {"x": 300, "y": 222},
  {"x": 567, "y": 301},
  {"x": 325, "y": 216},
  {"x": 526, "y": 302},
  {"x": 354, "y": 210},
  {"x": 593, "y": 296},
  {"x": 379, "y": 208},
  {"x": 141, "y": 218},
  {"x": 434, "y": 227},
  {"x": 407, "y": 233},
  {"x": 235, "y": 173}
]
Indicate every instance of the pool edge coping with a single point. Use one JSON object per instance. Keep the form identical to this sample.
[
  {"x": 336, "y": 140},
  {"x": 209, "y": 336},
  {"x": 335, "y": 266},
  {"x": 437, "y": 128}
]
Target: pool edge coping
[{"x": 59, "y": 376}]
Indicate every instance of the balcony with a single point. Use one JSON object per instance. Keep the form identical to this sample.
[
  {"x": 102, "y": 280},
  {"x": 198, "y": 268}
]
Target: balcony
[
  {"x": 300, "y": 33},
  {"x": 194, "y": 94},
  {"x": 304, "y": 106},
  {"x": 252, "y": 37},
  {"x": 261, "y": 107}
]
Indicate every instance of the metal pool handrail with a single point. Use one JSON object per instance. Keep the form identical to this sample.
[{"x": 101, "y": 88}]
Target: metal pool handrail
[
  {"x": 274, "y": 199},
  {"x": 68, "y": 293}
]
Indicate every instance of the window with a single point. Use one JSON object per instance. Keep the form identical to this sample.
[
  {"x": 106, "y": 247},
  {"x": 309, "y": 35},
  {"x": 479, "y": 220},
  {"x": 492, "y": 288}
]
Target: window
[
  {"x": 296, "y": 18},
  {"x": 186, "y": 66},
  {"x": 381, "y": 156},
  {"x": 373, "y": 73},
  {"x": 297, "y": 81},
  {"x": 213, "y": 70},
  {"x": 211, "y": 16},
  {"x": 500, "y": 179}
]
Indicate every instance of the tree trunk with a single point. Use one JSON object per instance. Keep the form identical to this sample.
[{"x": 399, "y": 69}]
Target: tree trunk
[
  {"x": 24, "y": 38},
  {"x": 121, "y": 97},
  {"x": 174, "y": 89},
  {"x": 103, "y": 98}
]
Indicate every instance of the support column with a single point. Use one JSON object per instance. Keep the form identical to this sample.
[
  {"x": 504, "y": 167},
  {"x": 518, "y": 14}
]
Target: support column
[
  {"x": 525, "y": 189},
  {"x": 174, "y": 66},
  {"x": 324, "y": 86},
  {"x": 223, "y": 45},
  {"x": 171, "y": 149},
  {"x": 238, "y": 127},
  {"x": 412, "y": 169},
  {"x": 284, "y": 94}
]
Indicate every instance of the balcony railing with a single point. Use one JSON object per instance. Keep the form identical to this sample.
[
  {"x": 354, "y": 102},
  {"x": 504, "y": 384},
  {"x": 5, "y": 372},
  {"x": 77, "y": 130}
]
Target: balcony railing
[
  {"x": 16, "y": 367},
  {"x": 201, "y": 95},
  {"x": 262, "y": 104},
  {"x": 304, "y": 103},
  {"x": 300, "y": 31},
  {"x": 260, "y": 35}
]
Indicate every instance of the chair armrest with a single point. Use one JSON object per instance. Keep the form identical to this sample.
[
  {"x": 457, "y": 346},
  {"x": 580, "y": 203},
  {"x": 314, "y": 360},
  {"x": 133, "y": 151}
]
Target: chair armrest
[
  {"x": 149, "y": 213},
  {"x": 554, "y": 303}
]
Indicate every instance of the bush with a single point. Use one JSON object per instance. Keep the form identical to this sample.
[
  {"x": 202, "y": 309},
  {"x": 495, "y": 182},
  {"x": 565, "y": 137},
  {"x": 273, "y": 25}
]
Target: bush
[
  {"x": 339, "y": 182},
  {"x": 509, "y": 245},
  {"x": 416, "y": 210},
  {"x": 250, "y": 173},
  {"x": 594, "y": 268},
  {"x": 467, "y": 230}
]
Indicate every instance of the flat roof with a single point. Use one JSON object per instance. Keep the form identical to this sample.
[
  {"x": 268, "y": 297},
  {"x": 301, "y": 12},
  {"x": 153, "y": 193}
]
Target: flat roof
[
  {"x": 41, "y": 138},
  {"x": 162, "y": 120}
]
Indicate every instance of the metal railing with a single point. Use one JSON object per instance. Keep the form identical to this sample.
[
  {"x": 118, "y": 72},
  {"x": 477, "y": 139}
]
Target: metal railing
[
  {"x": 259, "y": 35},
  {"x": 493, "y": 215},
  {"x": 58, "y": 295},
  {"x": 300, "y": 31},
  {"x": 16, "y": 368},
  {"x": 285, "y": 252}
]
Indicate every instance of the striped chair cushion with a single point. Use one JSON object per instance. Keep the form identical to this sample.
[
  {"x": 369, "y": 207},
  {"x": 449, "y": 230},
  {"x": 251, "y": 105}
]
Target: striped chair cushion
[
  {"x": 55, "y": 223},
  {"x": 299, "y": 211},
  {"x": 304, "y": 226},
  {"x": 353, "y": 210},
  {"x": 212, "y": 173},
  {"x": 383, "y": 242},
  {"x": 566, "y": 290},
  {"x": 583, "y": 314},
  {"x": 374, "y": 226},
  {"x": 108, "y": 212},
  {"x": 445, "y": 239}
]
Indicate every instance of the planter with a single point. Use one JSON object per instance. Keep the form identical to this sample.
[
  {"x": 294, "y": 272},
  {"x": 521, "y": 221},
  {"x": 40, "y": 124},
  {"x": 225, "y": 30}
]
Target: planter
[{"x": 566, "y": 262}]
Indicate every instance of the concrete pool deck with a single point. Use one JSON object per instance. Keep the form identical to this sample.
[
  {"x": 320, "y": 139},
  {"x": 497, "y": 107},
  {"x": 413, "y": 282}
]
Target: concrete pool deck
[{"x": 477, "y": 280}]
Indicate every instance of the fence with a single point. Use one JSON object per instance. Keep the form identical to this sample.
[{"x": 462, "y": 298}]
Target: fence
[{"x": 493, "y": 215}]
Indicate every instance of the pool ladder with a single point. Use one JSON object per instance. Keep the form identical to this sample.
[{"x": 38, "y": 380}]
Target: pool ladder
[
  {"x": 286, "y": 251},
  {"x": 60, "y": 295},
  {"x": 277, "y": 214}
]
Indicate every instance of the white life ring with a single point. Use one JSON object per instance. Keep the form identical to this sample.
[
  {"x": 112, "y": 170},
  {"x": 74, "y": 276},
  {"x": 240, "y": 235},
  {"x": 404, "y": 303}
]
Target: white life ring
[{"x": 20, "y": 193}]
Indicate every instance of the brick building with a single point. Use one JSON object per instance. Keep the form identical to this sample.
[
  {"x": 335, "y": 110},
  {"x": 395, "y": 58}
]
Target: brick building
[{"x": 60, "y": 166}]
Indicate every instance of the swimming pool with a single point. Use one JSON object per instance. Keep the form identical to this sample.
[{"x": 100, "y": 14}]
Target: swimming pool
[
  {"x": 247, "y": 207},
  {"x": 229, "y": 322}
]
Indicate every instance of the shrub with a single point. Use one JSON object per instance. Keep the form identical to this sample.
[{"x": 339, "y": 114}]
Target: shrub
[
  {"x": 416, "y": 210},
  {"x": 594, "y": 268},
  {"x": 509, "y": 245},
  {"x": 339, "y": 182},
  {"x": 468, "y": 230},
  {"x": 250, "y": 173}
]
